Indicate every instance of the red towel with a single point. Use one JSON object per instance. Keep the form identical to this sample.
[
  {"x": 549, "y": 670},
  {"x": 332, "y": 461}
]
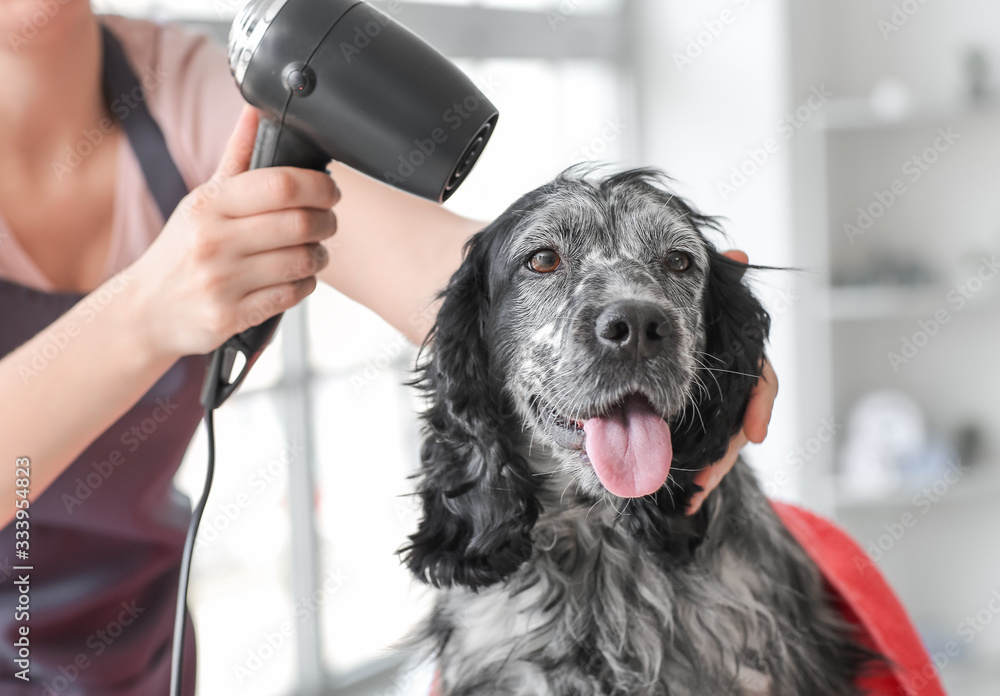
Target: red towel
[{"x": 866, "y": 599}]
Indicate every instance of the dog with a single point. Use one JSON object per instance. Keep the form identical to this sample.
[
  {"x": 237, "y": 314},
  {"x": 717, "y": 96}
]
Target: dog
[{"x": 592, "y": 354}]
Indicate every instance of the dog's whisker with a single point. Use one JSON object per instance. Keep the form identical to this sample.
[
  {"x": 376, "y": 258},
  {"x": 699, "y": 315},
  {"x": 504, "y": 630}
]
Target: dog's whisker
[
  {"x": 732, "y": 372},
  {"x": 563, "y": 494},
  {"x": 711, "y": 374},
  {"x": 596, "y": 503},
  {"x": 703, "y": 388},
  {"x": 611, "y": 504},
  {"x": 708, "y": 355},
  {"x": 697, "y": 411},
  {"x": 670, "y": 493},
  {"x": 624, "y": 509}
]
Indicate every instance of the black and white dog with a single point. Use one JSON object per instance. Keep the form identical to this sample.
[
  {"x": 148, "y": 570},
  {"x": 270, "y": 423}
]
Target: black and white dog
[{"x": 592, "y": 354}]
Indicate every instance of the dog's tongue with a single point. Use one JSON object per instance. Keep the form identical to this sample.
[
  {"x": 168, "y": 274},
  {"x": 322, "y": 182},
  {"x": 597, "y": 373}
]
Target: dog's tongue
[{"x": 630, "y": 450}]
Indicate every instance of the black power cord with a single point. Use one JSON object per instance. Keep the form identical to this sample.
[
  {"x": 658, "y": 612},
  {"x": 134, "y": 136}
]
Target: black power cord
[{"x": 180, "y": 615}]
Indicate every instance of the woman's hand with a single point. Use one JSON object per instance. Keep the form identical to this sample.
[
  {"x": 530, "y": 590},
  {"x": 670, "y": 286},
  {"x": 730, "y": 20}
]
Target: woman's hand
[
  {"x": 238, "y": 249},
  {"x": 755, "y": 422}
]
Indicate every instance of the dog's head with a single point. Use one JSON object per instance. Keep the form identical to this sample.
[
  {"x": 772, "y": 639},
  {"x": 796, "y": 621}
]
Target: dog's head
[{"x": 595, "y": 322}]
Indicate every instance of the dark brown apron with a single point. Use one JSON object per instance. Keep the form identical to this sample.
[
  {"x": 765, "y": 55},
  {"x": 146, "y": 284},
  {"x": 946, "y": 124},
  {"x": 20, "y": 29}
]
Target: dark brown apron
[{"x": 106, "y": 536}]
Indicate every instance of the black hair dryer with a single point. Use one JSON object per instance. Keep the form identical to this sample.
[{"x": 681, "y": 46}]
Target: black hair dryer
[{"x": 341, "y": 80}]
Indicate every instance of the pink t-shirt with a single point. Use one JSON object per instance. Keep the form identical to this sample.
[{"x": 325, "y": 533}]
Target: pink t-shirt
[{"x": 193, "y": 97}]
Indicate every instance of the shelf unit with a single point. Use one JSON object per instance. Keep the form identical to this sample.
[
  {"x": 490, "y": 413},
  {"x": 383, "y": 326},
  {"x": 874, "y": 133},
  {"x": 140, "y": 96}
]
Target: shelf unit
[
  {"x": 946, "y": 564},
  {"x": 979, "y": 484}
]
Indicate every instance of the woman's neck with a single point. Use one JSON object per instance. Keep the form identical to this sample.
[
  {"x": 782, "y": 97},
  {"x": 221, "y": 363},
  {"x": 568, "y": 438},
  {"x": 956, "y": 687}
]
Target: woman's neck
[{"x": 50, "y": 95}]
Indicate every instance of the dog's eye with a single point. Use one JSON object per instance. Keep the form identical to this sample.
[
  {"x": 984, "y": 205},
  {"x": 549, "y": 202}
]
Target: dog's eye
[
  {"x": 544, "y": 261},
  {"x": 678, "y": 261}
]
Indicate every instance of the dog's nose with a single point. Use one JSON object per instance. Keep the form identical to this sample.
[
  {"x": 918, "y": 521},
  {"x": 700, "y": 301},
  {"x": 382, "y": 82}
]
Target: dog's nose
[{"x": 633, "y": 329}]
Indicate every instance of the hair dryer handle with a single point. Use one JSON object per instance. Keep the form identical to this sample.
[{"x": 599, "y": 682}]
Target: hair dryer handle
[
  {"x": 283, "y": 147},
  {"x": 275, "y": 147},
  {"x": 250, "y": 343}
]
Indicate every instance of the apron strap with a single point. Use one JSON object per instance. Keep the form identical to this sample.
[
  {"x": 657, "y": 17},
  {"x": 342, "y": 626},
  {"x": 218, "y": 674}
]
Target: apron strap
[{"x": 150, "y": 147}]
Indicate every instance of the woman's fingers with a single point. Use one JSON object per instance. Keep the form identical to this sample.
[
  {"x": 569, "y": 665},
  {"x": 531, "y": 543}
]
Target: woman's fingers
[
  {"x": 711, "y": 476},
  {"x": 758, "y": 413},
  {"x": 755, "y": 421},
  {"x": 239, "y": 147},
  {"x": 275, "y": 188},
  {"x": 266, "y": 302},
  {"x": 737, "y": 256},
  {"x": 280, "y": 229},
  {"x": 280, "y": 266}
]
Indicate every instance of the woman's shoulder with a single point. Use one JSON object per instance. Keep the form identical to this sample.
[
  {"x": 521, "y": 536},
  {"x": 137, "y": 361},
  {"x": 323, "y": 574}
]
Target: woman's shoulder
[{"x": 188, "y": 89}]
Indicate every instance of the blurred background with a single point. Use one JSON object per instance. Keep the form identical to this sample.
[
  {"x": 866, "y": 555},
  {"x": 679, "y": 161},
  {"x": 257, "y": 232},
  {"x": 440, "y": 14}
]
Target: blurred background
[{"x": 854, "y": 140}]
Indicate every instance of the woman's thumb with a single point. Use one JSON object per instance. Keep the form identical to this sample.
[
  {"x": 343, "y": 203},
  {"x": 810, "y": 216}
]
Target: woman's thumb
[{"x": 239, "y": 149}]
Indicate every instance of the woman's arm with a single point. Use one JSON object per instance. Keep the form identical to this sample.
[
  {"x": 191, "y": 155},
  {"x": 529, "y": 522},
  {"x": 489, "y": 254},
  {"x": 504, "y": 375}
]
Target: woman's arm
[
  {"x": 52, "y": 414},
  {"x": 393, "y": 252},
  {"x": 230, "y": 255}
]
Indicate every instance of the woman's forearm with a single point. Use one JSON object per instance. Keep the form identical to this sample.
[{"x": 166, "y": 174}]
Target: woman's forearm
[
  {"x": 393, "y": 252},
  {"x": 68, "y": 384}
]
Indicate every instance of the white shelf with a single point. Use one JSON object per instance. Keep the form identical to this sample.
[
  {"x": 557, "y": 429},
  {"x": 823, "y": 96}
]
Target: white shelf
[
  {"x": 870, "y": 302},
  {"x": 980, "y": 484},
  {"x": 845, "y": 115}
]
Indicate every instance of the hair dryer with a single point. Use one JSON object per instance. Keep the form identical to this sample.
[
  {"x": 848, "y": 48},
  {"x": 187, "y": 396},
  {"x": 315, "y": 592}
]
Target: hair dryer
[{"x": 340, "y": 80}]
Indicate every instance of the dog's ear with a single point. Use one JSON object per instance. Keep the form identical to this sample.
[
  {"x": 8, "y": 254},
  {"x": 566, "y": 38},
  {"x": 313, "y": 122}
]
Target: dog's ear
[
  {"x": 479, "y": 503},
  {"x": 736, "y": 329}
]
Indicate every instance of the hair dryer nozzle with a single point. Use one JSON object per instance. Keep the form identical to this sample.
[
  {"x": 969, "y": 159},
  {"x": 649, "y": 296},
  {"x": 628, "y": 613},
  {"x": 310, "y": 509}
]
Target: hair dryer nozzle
[{"x": 468, "y": 158}]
